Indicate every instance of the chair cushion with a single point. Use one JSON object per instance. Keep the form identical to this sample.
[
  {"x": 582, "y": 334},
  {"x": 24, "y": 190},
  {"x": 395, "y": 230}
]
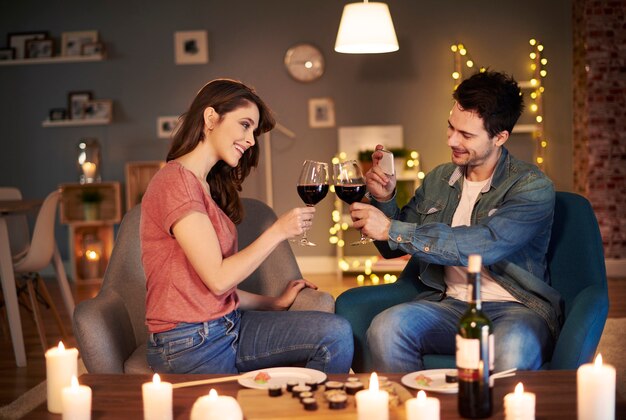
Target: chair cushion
[{"x": 137, "y": 362}]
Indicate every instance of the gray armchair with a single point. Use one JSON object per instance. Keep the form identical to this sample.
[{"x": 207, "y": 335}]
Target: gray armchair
[{"x": 110, "y": 328}]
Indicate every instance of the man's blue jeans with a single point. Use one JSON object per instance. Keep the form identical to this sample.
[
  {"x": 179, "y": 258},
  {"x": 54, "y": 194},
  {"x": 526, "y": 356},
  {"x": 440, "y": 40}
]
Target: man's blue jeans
[
  {"x": 400, "y": 336},
  {"x": 250, "y": 340}
]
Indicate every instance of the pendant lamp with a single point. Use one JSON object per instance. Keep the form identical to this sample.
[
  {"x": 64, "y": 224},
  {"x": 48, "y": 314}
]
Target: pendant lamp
[{"x": 366, "y": 28}]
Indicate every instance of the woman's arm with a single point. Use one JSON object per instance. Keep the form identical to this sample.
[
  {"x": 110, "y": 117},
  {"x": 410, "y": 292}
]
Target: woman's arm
[
  {"x": 253, "y": 302},
  {"x": 197, "y": 237}
]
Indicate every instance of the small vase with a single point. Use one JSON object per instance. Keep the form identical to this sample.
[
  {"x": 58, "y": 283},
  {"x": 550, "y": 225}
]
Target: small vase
[{"x": 92, "y": 211}]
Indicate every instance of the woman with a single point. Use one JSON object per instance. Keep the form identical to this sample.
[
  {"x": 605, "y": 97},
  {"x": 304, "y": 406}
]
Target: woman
[{"x": 198, "y": 321}]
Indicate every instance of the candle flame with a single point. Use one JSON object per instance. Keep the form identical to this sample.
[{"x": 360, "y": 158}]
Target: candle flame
[
  {"x": 374, "y": 382},
  {"x": 519, "y": 389},
  {"x": 598, "y": 361},
  {"x": 156, "y": 379},
  {"x": 61, "y": 347},
  {"x": 74, "y": 382},
  {"x": 92, "y": 255},
  {"x": 212, "y": 394},
  {"x": 421, "y": 396}
]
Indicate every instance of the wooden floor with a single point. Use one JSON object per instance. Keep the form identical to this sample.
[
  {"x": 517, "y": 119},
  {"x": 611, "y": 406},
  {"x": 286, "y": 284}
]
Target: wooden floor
[{"x": 15, "y": 381}]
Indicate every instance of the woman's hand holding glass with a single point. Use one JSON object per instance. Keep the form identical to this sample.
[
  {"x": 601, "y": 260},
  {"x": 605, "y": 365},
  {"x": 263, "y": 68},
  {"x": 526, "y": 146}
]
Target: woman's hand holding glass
[{"x": 312, "y": 188}]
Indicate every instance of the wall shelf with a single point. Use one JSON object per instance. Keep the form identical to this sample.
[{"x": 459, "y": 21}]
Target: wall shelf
[
  {"x": 75, "y": 123},
  {"x": 53, "y": 60}
]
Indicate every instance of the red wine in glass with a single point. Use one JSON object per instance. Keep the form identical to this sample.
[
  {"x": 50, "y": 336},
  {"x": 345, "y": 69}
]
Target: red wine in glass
[
  {"x": 350, "y": 187},
  {"x": 312, "y": 188}
]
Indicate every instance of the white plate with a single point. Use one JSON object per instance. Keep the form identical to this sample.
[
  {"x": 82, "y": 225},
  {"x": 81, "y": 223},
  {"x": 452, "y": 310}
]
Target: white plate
[
  {"x": 438, "y": 383},
  {"x": 280, "y": 376}
]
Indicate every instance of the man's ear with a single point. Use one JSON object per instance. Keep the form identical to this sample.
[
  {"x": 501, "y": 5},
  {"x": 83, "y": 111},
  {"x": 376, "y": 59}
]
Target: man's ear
[
  {"x": 210, "y": 117},
  {"x": 501, "y": 138}
]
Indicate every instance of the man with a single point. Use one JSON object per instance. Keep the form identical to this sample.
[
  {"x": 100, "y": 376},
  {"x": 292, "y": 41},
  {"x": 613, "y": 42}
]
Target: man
[{"x": 485, "y": 202}]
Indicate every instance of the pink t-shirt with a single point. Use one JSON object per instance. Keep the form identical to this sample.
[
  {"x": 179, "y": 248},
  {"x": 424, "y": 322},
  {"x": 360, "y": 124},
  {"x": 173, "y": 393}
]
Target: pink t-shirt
[{"x": 175, "y": 292}]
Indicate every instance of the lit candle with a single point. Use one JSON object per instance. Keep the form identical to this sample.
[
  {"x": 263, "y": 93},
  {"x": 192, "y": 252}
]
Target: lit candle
[
  {"x": 61, "y": 365},
  {"x": 157, "y": 399},
  {"x": 595, "y": 387},
  {"x": 422, "y": 407},
  {"x": 89, "y": 170},
  {"x": 519, "y": 405},
  {"x": 216, "y": 407},
  {"x": 76, "y": 401},
  {"x": 372, "y": 404}
]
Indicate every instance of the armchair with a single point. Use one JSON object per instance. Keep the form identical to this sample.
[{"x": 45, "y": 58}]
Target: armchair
[
  {"x": 110, "y": 328},
  {"x": 576, "y": 265}
]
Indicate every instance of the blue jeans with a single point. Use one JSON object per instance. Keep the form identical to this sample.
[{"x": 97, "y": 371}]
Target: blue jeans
[
  {"x": 400, "y": 336},
  {"x": 250, "y": 340}
]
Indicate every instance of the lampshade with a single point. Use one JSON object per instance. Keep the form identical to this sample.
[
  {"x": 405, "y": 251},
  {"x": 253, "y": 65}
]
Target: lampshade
[{"x": 366, "y": 28}]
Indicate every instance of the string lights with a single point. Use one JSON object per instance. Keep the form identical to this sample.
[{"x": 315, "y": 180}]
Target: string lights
[{"x": 464, "y": 62}]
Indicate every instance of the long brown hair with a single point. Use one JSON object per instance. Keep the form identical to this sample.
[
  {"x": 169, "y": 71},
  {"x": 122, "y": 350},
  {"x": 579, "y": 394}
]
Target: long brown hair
[{"x": 224, "y": 95}]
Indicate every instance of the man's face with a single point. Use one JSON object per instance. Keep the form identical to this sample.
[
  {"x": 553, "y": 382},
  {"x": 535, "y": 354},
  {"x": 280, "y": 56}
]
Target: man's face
[{"x": 470, "y": 143}]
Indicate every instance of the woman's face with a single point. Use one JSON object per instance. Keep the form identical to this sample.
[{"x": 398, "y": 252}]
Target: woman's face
[{"x": 233, "y": 134}]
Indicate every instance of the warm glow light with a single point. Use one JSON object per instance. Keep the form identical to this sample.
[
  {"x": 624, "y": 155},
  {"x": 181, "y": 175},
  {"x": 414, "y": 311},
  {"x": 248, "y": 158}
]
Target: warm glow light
[
  {"x": 92, "y": 255},
  {"x": 454, "y": 48},
  {"x": 213, "y": 394},
  {"x": 519, "y": 389},
  {"x": 366, "y": 28},
  {"x": 544, "y": 61},
  {"x": 333, "y": 240},
  {"x": 533, "y": 55},
  {"x": 598, "y": 361},
  {"x": 61, "y": 347},
  {"x": 470, "y": 63},
  {"x": 538, "y": 118},
  {"x": 544, "y": 144},
  {"x": 540, "y": 160},
  {"x": 456, "y": 75},
  {"x": 421, "y": 175},
  {"x": 462, "y": 51},
  {"x": 374, "y": 382},
  {"x": 156, "y": 379},
  {"x": 308, "y": 64},
  {"x": 540, "y": 47},
  {"x": 543, "y": 73},
  {"x": 533, "y": 41},
  {"x": 533, "y": 82}
]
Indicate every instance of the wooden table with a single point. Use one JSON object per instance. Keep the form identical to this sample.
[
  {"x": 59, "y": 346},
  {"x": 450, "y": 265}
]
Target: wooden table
[
  {"x": 9, "y": 208},
  {"x": 119, "y": 396}
]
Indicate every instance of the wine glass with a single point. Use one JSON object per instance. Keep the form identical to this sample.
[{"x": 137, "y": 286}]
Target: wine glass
[
  {"x": 350, "y": 187},
  {"x": 312, "y": 188}
]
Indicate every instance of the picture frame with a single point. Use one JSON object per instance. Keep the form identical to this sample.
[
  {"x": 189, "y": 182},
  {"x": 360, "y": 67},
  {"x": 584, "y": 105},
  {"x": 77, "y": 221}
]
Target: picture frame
[
  {"x": 17, "y": 41},
  {"x": 167, "y": 126},
  {"x": 98, "y": 109},
  {"x": 76, "y": 104},
  {"x": 72, "y": 42},
  {"x": 191, "y": 47},
  {"x": 57, "y": 114},
  {"x": 321, "y": 112},
  {"x": 39, "y": 48},
  {"x": 92, "y": 48},
  {"x": 7, "y": 54}
]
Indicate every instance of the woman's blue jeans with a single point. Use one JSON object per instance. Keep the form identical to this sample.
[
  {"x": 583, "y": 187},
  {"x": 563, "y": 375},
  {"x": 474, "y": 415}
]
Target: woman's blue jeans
[
  {"x": 400, "y": 336},
  {"x": 250, "y": 340}
]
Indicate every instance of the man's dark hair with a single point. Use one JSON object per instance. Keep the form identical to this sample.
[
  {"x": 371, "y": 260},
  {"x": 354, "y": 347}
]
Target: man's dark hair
[{"x": 495, "y": 97}]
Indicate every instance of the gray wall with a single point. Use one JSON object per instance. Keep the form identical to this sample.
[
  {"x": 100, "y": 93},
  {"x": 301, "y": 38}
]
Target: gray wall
[{"x": 247, "y": 41}]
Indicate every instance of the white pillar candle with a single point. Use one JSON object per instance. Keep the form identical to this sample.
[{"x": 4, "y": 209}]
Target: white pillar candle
[
  {"x": 422, "y": 407},
  {"x": 157, "y": 399},
  {"x": 216, "y": 407},
  {"x": 76, "y": 401},
  {"x": 519, "y": 405},
  {"x": 372, "y": 403},
  {"x": 595, "y": 388},
  {"x": 61, "y": 365}
]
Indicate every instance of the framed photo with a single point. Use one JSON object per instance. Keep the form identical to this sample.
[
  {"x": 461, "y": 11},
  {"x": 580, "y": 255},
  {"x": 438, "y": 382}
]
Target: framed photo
[
  {"x": 191, "y": 47},
  {"x": 166, "y": 126},
  {"x": 72, "y": 42},
  {"x": 18, "y": 41},
  {"x": 7, "y": 54},
  {"x": 76, "y": 104},
  {"x": 92, "y": 48},
  {"x": 321, "y": 112},
  {"x": 57, "y": 114},
  {"x": 39, "y": 48},
  {"x": 101, "y": 109}
]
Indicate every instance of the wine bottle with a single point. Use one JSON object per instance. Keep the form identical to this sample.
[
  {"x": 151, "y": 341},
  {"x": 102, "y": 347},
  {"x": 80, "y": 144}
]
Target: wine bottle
[{"x": 474, "y": 350}]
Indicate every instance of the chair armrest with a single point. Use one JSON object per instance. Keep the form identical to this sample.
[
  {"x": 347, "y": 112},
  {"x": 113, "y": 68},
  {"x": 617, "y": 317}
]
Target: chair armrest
[
  {"x": 313, "y": 300},
  {"x": 361, "y": 304},
  {"x": 582, "y": 329},
  {"x": 104, "y": 333}
]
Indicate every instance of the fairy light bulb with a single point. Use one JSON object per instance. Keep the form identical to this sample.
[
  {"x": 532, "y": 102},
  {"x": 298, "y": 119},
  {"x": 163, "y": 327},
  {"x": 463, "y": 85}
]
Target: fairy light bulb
[
  {"x": 544, "y": 144},
  {"x": 470, "y": 63},
  {"x": 538, "y": 118},
  {"x": 456, "y": 75},
  {"x": 539, "y": 47},
  {"x": 533, "y": 41},
  {"x": 539, "y": 160},
  {"x": 454, "y": 48},
  {"x": 533, "y": 107},
  {"x": 462, "y": 51},
  {"x": 533, "y": 55},
  {"x": 543, "y": 73}
]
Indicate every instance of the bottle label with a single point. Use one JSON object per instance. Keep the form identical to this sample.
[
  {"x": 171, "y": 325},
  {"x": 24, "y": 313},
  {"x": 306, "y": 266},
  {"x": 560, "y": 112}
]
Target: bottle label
[{"x": 468, "y": 353}]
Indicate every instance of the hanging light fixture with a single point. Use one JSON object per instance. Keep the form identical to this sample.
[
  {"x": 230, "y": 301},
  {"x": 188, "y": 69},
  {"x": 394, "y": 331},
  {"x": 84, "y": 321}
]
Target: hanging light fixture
[{"x": 366, "y": 28}]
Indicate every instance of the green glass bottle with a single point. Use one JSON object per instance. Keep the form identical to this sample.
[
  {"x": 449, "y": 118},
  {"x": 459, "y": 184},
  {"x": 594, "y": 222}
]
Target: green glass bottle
[{"x": 474, "y": 350}]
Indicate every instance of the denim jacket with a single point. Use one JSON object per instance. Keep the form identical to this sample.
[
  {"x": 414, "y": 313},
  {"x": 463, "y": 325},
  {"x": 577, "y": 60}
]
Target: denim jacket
[{"x": 510, "y": 227}]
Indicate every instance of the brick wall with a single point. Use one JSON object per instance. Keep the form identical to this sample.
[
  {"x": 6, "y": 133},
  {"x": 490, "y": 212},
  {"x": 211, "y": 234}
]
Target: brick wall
[{"x": 600, "y": 115}]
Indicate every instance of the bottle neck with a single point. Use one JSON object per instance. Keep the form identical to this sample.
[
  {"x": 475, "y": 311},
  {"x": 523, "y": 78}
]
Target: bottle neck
[{"x": 473, "y": 290}]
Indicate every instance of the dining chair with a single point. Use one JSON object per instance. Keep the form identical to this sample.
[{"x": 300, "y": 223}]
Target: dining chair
[
  {"x": 110, "y": 328},
  {"x": 577, "y": 270},
  {"x": 39, "y": 254},
  {"x": 17, "y": 225}
]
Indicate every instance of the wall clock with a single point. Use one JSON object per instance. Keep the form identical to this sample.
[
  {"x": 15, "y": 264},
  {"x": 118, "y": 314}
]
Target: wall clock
[{"x": 304, "y": 62}]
